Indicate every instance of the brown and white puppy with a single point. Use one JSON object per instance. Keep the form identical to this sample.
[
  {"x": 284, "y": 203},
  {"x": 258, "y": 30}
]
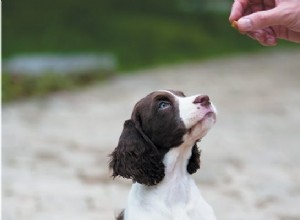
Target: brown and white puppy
[{"x": 157, "y": 150}]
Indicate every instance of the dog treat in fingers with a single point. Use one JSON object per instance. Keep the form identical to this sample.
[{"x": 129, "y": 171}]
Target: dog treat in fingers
[{"x": 234, "y": 24}]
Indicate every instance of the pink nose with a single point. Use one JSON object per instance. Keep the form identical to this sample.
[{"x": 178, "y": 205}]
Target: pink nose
[{"x": 203, "y": 100}]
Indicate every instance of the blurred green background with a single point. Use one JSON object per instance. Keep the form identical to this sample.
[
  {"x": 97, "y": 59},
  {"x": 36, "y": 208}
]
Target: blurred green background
[{"x": 137, "y": 33}]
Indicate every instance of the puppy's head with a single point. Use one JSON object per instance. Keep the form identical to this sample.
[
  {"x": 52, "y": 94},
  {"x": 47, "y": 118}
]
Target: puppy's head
[{"x": 161, "y": 121}]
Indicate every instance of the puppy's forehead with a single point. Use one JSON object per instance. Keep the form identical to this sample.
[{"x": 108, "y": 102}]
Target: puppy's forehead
[
  {"x": 148, "y": 100},
  {"x": 172, "y": 93}
]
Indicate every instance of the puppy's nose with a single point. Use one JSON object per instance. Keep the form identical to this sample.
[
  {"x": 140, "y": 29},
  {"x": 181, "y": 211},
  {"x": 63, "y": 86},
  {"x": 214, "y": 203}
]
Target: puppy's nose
[{"x": 203, "y": 100}]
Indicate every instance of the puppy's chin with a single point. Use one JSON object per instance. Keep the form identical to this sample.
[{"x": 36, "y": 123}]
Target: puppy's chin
[
  {"x": 209, "y": 120},
  {"x": 200, "y": 129}
]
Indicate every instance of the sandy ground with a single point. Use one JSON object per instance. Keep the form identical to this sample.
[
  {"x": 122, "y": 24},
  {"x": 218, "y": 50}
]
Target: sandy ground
[{"x": 55, "y": 150}]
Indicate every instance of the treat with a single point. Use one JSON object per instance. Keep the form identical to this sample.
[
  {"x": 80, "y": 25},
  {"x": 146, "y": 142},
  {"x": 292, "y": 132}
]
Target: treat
[{"x": 234, "y": 24}]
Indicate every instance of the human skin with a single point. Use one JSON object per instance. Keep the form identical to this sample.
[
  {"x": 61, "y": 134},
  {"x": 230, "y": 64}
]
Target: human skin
[{"x": 267, "y": 20}]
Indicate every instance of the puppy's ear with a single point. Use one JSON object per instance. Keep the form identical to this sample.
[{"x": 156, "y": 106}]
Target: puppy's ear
[
  {"x": 194, "y": 161},
  {"x": 136, "y": 157}
]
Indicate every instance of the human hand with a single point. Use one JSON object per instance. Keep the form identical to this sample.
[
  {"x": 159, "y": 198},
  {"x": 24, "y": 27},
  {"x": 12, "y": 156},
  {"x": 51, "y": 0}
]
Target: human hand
[{"x": 267, "y": 20}]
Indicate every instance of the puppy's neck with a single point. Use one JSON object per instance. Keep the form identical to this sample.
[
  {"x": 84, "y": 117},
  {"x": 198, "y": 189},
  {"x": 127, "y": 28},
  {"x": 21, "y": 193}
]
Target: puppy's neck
[{"x": 176, "y": 161}]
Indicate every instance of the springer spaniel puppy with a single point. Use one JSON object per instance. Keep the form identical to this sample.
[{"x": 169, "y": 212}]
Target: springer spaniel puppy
[{"x": 157, "y": 150}]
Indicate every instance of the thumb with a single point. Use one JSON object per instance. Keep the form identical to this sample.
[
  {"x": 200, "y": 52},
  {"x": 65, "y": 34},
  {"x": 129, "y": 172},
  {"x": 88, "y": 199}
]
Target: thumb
[{"x": 260, "y": 20}]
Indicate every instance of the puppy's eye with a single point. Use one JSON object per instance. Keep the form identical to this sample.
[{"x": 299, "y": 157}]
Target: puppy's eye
[{"x": 163, "y": 105}]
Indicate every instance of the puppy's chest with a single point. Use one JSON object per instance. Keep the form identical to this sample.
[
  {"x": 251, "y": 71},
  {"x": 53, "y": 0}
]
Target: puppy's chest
[
  {"x": 176, "y": 192},
  {"x": 170, "y": 200},
  {"x": 175, "y": 189},
  {"x": 179, "y": 199}
]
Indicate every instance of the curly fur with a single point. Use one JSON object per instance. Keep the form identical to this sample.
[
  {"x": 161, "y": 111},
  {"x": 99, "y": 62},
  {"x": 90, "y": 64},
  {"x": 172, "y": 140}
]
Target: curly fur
[
  {"x": 137, "y": 158},
  {"x": 144, "y": 142},
  {"x": 194, "y": 161}
]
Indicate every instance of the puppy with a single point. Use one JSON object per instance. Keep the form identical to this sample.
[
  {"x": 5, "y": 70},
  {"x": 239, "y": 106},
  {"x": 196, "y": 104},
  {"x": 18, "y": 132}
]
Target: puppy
[{"x": 157, "y": 150}]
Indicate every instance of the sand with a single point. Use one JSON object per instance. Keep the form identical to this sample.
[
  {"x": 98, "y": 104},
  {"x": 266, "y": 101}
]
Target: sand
[{"x": 55, "y": 150}]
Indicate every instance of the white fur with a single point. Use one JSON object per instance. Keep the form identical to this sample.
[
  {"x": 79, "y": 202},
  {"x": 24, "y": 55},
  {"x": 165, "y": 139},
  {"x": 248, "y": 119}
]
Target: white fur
[{"x": 177, "y": 196}]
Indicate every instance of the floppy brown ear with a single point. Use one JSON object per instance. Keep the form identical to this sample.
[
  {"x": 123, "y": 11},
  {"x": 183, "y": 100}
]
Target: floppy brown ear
[
  {"x": 136, "y": 157},
  {"x": 194, "y": 161}
]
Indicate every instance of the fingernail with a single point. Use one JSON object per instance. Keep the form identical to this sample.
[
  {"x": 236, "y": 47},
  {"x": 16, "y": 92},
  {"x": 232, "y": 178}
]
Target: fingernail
[
  {"x": 257, "y": 36},
  {"x": 244, "y": 24},
  {"x": 271, "y": 40}
]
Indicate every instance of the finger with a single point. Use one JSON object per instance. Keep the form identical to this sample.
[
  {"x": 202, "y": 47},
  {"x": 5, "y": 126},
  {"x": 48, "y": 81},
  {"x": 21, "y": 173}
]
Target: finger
[
  {"x": 286, "y": 34},
  {"x": 251, "y": 35},
  {"x": 268, "y": 42},
  {"x": 293, "y": 36},
  {"x": 257, "y": 7},
  {"x": 267, "y": 4},
  {"x": 261, "y": 20},
  {"x": 263, "y": 37},
  {"x": 237, "y": 9}
]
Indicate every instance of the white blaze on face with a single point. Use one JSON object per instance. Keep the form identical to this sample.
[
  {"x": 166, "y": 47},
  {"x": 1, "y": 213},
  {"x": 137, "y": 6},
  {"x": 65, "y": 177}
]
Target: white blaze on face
[
  {"x": 188, "y": 111},
  {"x": 196, "y": 117},
  {"x": 191, "y": 113}
]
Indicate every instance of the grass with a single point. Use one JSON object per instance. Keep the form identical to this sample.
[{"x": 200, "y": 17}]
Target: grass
[
  {"x": 16, "y": 87},
  {"x": 138, "y": 40}
]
